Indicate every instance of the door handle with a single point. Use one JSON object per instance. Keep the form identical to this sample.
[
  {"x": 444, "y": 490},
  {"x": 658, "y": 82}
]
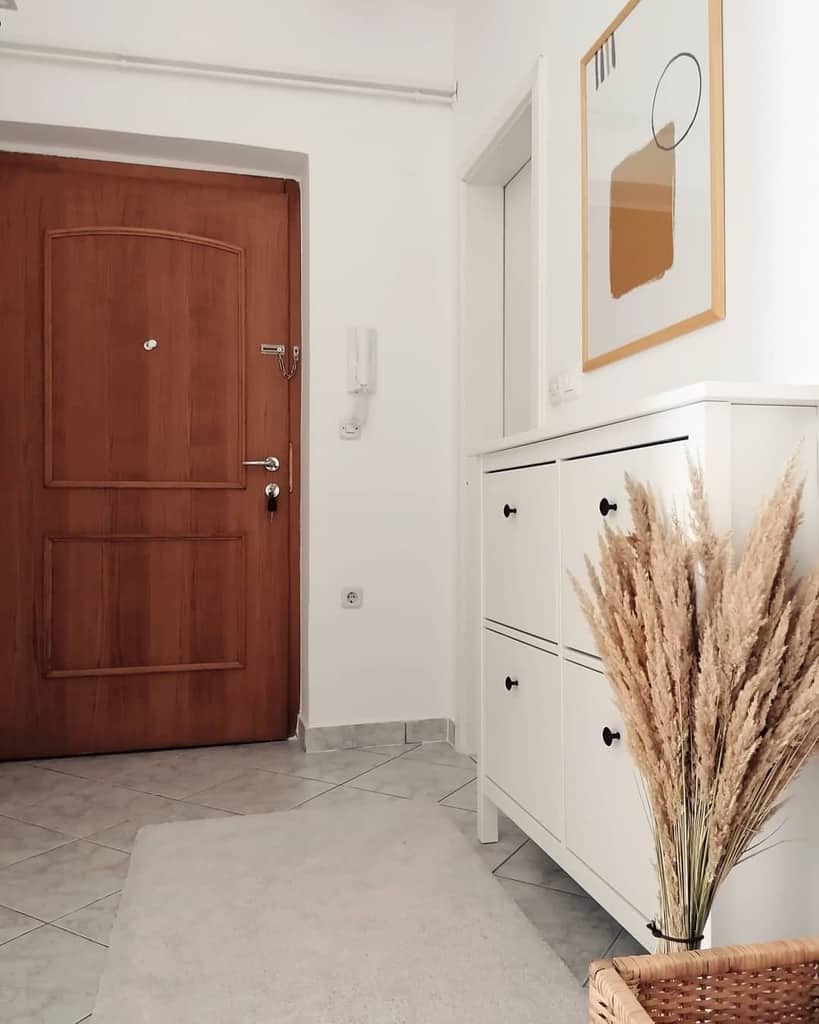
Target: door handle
[{"x": 271, "y": 463}]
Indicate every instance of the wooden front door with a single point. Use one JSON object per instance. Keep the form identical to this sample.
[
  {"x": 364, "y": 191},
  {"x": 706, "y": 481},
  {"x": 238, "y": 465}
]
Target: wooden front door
[{"x": 146, "y": 589}]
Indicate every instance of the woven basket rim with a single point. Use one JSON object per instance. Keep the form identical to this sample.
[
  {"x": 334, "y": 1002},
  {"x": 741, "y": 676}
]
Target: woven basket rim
[{"x": 719, "y": 960}]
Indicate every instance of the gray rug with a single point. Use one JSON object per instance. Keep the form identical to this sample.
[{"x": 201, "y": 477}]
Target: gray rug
[{"x": 379, "y": 915}]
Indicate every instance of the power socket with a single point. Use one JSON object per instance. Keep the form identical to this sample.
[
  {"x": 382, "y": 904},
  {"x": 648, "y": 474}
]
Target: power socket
[{"x": 352, "y": 597}]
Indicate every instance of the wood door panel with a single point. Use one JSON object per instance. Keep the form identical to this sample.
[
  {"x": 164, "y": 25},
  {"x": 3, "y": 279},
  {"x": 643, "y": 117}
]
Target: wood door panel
[
  {"x": 105, "y": 613},
  {"x": 169, "y": 417},
  {"x": 148, "y": 598}
]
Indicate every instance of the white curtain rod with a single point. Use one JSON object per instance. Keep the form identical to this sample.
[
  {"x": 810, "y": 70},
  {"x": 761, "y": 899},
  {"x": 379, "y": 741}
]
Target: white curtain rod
[{"x": 416, "y": 92}]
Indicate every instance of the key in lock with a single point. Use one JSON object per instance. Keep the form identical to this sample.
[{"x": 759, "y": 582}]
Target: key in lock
[{"x": 272, "y": 492}]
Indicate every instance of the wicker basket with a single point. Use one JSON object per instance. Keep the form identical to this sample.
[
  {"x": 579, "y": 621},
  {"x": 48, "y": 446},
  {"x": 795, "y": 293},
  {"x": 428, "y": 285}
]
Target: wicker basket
[{"x": 776, "y": 983}]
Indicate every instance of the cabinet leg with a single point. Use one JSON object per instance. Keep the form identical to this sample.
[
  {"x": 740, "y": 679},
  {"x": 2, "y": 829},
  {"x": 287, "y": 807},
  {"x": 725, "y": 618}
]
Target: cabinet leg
[{"x": 487, "y": 818}]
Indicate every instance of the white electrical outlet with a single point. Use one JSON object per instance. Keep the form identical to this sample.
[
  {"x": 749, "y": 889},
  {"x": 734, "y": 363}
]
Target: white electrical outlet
[{"x": 352, "y": 597}]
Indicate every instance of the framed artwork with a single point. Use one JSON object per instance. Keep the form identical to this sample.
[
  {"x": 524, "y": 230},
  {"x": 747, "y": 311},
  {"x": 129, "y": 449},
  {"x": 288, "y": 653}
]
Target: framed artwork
[{"x": 652, "y": 178}]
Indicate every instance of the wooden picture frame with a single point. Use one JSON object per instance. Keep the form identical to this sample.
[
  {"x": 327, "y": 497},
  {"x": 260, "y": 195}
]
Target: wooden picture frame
[{"x": 706, "y": 304}]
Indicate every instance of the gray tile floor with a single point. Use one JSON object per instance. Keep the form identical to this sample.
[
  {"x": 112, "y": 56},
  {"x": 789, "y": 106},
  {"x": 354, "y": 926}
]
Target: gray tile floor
[{"x": 67, "y": 828}]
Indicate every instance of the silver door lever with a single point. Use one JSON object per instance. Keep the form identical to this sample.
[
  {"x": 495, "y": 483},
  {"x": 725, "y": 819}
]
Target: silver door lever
[{"x": 271, "y": 463}]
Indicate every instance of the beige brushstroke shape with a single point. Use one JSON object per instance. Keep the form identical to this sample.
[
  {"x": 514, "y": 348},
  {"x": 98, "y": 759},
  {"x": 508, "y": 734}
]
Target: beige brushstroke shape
[{"x": 641, "y": 215}]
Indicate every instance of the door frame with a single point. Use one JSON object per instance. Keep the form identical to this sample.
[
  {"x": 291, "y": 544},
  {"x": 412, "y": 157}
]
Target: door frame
[
  {"x": 134, "y": 166},
  {"x": 294, "y": 244},
  {"x": 516, "y": 135}
]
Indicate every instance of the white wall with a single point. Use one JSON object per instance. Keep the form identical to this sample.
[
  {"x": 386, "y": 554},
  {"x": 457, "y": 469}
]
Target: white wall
[
  {"x": 520, "y": 391},
  {"x": 359, "y": 38},
  {"x": 801, "y": 227},
  {"x": 497, "y": 47},
  {"x": 497, "y": 44},
  {"x": 381, "y": 234}
]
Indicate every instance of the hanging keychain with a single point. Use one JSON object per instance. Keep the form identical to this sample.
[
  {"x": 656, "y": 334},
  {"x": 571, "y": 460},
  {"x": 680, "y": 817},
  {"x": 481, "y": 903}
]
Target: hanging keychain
[{"x": 272, "y": 491}]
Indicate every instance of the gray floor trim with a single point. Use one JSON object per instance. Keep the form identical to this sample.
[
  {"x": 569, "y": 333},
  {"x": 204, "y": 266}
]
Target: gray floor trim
[{"x": 375, "y": 734}]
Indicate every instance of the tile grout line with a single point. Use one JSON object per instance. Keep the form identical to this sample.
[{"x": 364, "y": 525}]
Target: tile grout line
[
  {"x": 440, "y": 764},
  {"x": 190, "y": 797},
  {"x": 43, "y": 923},
  {"x": 511, "y": 855},
  {"x": 130, "y": 789},
  {"x": 291, "y": 775},
  {"x": 440, "y": 800},
  {"x": 190, "y": 800},
  {"x": 362, "y": 789},
  {"x": 33, "y": 917},
  {"x": 77, "y": 935},
  {"x": 411, "y": 760},
  {"x": 71, "y": 838},
  {"x": 109, "y": 786},
  {"x": 85, "y": 906},
  {"x": 551, "y": 888},
  {"x": 79, "y": 778},
  {"x": 359, "y": 789},
  {"x": 8, "y": 816},
  {"x": 310, "y": 778},
  {"x": 68, "y": 840},
  {"x": 611, "y": 945},
  {"x": 43, "y": 920},
  {"x": 147, "y": 824},
  {"x": 458, "y": 790},
  {"x": 330, "y": 785},
  {"x": 40, "y": 924},
  {"x": 42, "y": 853},
  {"x": 379, "y": 792}
]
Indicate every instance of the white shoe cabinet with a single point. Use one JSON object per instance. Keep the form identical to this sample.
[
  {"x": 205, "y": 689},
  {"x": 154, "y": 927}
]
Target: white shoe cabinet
[{"x": 553, "y": 755}]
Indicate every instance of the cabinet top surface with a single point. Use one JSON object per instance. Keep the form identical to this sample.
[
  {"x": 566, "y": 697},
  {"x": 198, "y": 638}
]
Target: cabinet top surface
[{"x": 573, "y": 421}]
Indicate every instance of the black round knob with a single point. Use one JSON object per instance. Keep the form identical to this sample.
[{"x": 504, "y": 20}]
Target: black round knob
[
  {"x": 508, "y": 510},
  {"x": 607, "y": 506},
  {"x": 609, "y": 737},
  {"x": 510, "y": 682}
]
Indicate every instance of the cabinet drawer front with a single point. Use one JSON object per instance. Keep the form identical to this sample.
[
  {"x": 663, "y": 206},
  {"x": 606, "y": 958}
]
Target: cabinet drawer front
[
  {"x": 521, "y": 549},
  {"x": 522, "y": 722},
  {"x": 585, "y": 484},
  {"x": 607, "y": 823}
]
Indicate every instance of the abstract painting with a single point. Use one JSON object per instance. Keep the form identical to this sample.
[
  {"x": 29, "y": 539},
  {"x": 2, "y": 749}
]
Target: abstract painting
[{"x": 652, "y": 178}]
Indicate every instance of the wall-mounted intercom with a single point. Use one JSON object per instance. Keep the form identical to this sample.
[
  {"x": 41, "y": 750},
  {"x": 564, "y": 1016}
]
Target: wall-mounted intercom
[
  {"x": 361, "y": 360},
  {"x": 361, "y": 366}
]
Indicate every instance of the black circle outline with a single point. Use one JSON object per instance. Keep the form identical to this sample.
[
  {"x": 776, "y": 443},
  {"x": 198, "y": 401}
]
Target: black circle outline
[{"x": 677, "y": 56}]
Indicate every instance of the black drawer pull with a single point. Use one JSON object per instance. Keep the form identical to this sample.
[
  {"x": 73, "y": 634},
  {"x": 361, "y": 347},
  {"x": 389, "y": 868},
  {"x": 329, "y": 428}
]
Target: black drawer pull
[
  {"x": 510, "y": 682},
  {"x": 607, "y": 506},
  {"x": 508, "y": 510},
  {"x": 609, "y": 737}
]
